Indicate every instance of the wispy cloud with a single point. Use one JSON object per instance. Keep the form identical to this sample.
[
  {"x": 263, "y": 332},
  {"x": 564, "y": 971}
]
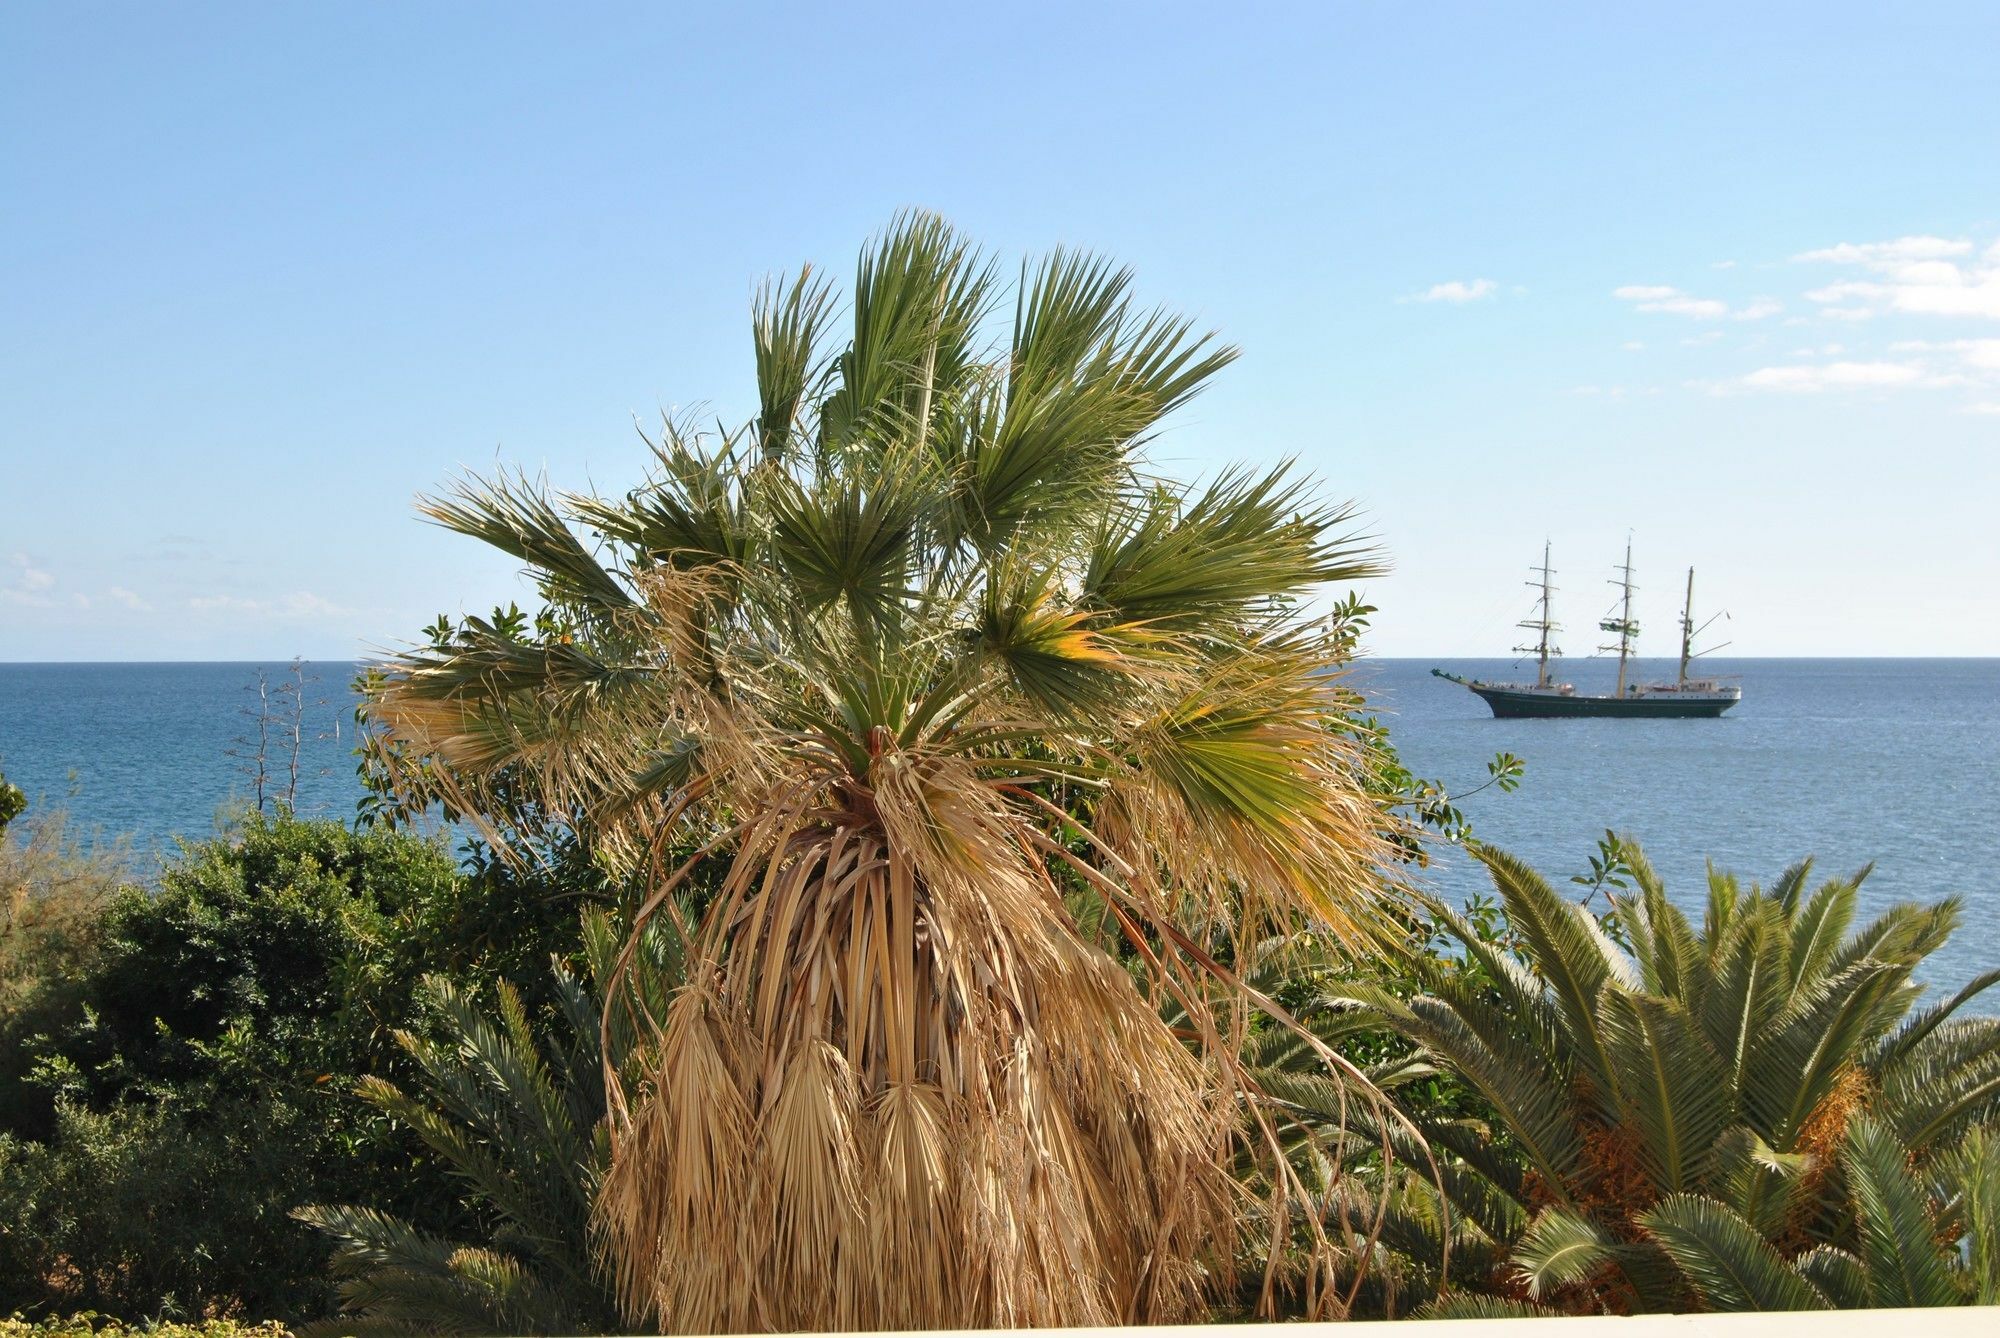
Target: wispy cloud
[
  {"x": 1665, "y": 299},
  {"x": 298, "y": 604},
  {"x": 1457, "y": 291},
  {"x": 26, "y": 584},
  {"x": 118, "y": 594},
  {"x": 1811, "y": 378},
  {"x": 1979, "y": 355},
  {"x": 1914, "y": 276}
]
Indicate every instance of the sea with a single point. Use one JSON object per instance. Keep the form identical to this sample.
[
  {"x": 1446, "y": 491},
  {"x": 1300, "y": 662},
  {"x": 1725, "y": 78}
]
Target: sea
[{"x": 1889, "y": 762}]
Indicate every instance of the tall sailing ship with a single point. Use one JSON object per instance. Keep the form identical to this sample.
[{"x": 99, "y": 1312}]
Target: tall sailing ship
[{"x": 1685, "y": 697}]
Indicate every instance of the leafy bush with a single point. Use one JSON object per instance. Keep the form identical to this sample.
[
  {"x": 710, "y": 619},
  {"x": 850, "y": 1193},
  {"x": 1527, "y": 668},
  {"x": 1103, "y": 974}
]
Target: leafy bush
[
  {"x": 520, "y": 1119},
  {"x": 91, "y": 1325},
  {"x": 53, "y": 894},
  {"x": 200, "y": 1084}
]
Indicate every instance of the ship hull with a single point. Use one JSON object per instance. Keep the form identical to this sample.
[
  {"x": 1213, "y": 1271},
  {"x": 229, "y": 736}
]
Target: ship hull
[{"x": 1510, "y": 705}]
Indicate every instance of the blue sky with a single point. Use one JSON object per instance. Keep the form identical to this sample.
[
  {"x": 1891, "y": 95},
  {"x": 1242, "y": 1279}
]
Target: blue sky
[{"x": 1726, "y": 276}]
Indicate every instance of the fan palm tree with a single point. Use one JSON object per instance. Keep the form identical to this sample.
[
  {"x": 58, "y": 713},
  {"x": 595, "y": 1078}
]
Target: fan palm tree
[
  {"x": 521, "y": 1122},
  {"x": 916, "y": 651},
  {"x": 1726, "y": 1064}
]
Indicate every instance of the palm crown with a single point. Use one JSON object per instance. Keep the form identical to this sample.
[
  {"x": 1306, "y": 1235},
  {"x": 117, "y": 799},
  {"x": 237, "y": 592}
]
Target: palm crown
[
  {"x": 916, "y": 652},
  {"x": 1711, "y": 1070}
]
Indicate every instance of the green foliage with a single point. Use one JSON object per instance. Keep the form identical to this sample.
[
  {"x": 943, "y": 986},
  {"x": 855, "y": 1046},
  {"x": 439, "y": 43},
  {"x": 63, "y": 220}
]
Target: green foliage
[
  {"x": 89, "y": 1324},
  {"x": 13, "y": 803},
  {"x": 1433, "y": 806},
  {"x": 53, "y": 893},
  {"x": 1915, "y": 1242},
  {"x": 192, "y": 1083},
  {"x": 1661, "y": 1095},
  {"x": 520, "y": 1123}
]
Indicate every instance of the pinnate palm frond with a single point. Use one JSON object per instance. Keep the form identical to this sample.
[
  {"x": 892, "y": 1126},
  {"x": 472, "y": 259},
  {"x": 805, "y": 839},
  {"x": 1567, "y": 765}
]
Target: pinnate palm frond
[
  {"x": 1725, "y": 1260},
  {"x": 1898, "y": 1233},
  {"x": 1560, "y": 1249},
  {"x": 1970, "y": 1180},
  {"x": 1569, "y": 951},
  {"x": 1471, "y": 1305},
  {"x": 518, "y": 1118},
  {"x": 1675, "y": 1091}
]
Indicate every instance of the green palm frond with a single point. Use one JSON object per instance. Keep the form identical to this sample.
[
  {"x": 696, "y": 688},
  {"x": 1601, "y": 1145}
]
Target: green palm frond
[
  {"x": 1752, "y": 982},
  {"x": 517, "y": 517},
  {"x": 918, "y": 299},
  {"x": 1226, "y": 553},
  {"x": 1935, "y": 1088},
  {"x": 1818, "y": 928},
  {"x": 1465, "y": 1305},
  {"x": 1815, "y": 1045},
  {"x": 1725, "y": 1260},
  {"x": 1970, "y": 1177},
  {"x": 789, "y": 321},
  {"x": 1675, "y": 1090},
  {"x": 1568, "y": 950},
  {"x": 1913, "y": 1032},
  {"x": 1898, "y": 1233},
  {"x": 1560, "y": 1249},
  {"x": 1836, "y": 1275},
  {"x": 1757, "y": 1181},
  {"x": 1671, "y": 960},
  {"x": 518, "y": 1118}
]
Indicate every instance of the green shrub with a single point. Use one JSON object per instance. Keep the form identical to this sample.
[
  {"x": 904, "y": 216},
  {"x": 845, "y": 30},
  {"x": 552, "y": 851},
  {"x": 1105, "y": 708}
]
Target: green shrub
[
  {"x": 53, "y": 895},
  {"x": 90, "y": 1325},
  {"x": 198, "y": 1083}
]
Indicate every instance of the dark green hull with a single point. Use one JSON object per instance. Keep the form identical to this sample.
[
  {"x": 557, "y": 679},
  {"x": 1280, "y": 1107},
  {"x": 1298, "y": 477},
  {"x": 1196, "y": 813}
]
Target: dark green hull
[{"x": 1518, "y": 705}]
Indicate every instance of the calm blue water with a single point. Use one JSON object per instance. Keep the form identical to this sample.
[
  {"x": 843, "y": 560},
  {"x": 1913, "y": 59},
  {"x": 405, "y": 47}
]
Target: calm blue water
[
  {"x": 144, "y": 749},
  {"x": 1896, "y": 761}
]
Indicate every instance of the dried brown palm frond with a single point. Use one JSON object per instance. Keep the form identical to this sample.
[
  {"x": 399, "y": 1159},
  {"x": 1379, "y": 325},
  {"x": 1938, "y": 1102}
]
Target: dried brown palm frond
[{"x": 922, "y": 657}]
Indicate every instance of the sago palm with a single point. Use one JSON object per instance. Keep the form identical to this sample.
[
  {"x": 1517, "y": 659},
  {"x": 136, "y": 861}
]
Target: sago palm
[
  {"x": 919, "y": 649},
  {"x": 520, "y": 1119},
  {"x": 1917, "y": 1240},
  {"x": 1726, "y": 1063}
]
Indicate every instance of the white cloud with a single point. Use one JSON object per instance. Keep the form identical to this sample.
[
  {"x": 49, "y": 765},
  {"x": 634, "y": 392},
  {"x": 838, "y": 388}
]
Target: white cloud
[
  {"x": 1984, "y": 407},
  {"x": 299, "y": 604},
  {"x": 28, "y": 577},
  {"x": 1914, "y": 276},
  {"x": 118, "y": 594},
  {"x": 26, "y": 584},
  {"x": 1902, "y": 251},
  {"x": 1632, "y": 345},
  {"x": 1878, "y": 375},
  {"x": 1723, "y": 264},
  {"x": 1982, "y": 355},
  {"x": 1458, "y": 290},
  {"x": 303, "y": 604},
  {"x": 1671, "y": 301}
]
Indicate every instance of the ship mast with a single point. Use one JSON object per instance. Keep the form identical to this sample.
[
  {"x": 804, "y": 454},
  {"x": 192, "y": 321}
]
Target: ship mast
[
  {"x": 1687, "y": 630},
  {"x": 1541, "y": 626},
  {"x": 1623, "y": 624}
]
